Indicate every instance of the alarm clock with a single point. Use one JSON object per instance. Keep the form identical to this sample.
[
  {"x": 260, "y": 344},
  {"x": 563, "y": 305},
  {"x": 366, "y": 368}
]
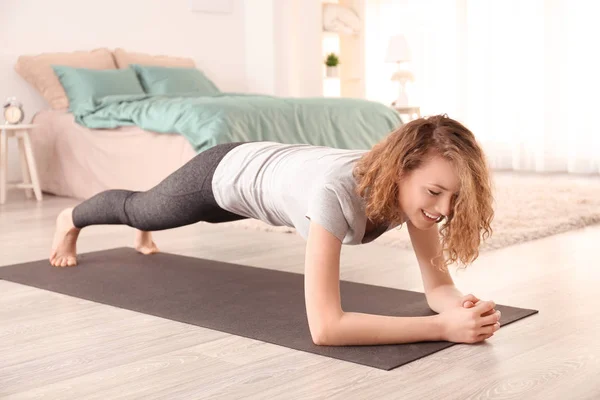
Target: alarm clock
[{"x": 13, "y": 111}]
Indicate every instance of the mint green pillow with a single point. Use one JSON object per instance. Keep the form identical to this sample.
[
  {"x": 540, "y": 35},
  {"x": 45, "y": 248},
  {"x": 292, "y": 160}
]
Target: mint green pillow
[
  {"x": 172, "y": 81},
  {"x": 86, "y": 87}
]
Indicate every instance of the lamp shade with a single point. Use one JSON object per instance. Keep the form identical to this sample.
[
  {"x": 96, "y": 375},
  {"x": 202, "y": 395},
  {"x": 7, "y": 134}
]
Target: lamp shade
[{"x": 397, "y": 50}]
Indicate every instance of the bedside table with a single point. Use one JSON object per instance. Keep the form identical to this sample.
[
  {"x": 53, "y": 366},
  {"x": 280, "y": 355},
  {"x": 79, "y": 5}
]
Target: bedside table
[
  {"x": 413, "y": 112},
  {"x": 28, "y": 168}
]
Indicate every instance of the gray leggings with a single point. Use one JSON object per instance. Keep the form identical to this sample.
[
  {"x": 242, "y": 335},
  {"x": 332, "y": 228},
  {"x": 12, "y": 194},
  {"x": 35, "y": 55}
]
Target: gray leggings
[{"x": 183, "y": 198}]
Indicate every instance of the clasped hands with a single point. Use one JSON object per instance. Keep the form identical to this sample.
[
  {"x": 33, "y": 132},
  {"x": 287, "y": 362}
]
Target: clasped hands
[{"x": 473, "y": 321}]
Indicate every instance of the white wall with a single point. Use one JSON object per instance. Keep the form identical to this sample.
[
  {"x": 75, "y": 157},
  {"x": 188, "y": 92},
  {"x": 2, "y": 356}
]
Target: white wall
[
  {"x": 214, "y": 41},
  {"x": 261, "y": 46},
  {"x": 283, "y": 47},
  {"x": 259, "y": 34},
  {"x": 298, "y": 43}
]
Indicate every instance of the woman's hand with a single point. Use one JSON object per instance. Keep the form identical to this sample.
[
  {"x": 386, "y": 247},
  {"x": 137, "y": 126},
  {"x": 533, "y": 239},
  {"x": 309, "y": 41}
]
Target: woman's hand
[
  {"x": 470, "y": 325},
  {"x": 470, "y": 300}
]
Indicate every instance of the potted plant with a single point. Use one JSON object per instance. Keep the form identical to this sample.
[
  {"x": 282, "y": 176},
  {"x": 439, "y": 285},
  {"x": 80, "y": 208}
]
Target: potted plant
[{"x": 332, "y": 61}]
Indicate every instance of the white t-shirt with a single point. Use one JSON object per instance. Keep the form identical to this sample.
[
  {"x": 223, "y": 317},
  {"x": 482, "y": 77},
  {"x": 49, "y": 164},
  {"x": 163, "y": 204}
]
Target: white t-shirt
[{"x": 290, "y": 185}]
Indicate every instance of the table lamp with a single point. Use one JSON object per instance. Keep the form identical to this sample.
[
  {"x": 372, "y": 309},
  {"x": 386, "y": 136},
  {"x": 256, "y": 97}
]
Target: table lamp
[{"x": 399, "y": 52}]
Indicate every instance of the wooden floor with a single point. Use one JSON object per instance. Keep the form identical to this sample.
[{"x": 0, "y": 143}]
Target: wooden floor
[{"x": 58, "y": 347}]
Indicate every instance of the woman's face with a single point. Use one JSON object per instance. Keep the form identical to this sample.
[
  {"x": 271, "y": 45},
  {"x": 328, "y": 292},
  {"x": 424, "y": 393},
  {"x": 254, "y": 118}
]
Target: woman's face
[{"x": 427, "y": 194}]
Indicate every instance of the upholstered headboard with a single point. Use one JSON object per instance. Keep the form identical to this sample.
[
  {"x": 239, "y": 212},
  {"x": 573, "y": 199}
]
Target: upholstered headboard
[{"x": 37, "y": 70}]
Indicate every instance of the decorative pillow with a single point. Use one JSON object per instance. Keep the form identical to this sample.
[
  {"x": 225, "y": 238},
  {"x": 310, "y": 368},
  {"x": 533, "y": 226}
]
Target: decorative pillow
[
  {"x": 86, "y": 87},
  {"x": 123, "y": 58},
  {"x": 37, "y": 71},
  {"x": 171, "y": 81}
]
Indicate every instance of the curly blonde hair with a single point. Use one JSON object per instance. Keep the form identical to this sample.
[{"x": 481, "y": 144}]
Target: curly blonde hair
[{"x": 379, "y": 172}]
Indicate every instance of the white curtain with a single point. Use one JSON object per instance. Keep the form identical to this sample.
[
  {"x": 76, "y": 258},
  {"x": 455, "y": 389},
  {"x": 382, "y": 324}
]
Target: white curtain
[{"x": 523, "y": 75}]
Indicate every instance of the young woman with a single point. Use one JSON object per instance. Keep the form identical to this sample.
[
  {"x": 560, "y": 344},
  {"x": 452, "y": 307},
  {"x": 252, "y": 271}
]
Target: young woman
[{"x": 429, "y": 171}]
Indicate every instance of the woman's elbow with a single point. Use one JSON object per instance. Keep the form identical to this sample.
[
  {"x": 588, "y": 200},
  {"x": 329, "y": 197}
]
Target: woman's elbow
[
  {"x": 323, "y": 333},
  {"x": 319, "y": 336}
]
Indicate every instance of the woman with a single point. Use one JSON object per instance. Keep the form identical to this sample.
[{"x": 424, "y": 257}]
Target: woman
[{"x": 428, "y": 172}]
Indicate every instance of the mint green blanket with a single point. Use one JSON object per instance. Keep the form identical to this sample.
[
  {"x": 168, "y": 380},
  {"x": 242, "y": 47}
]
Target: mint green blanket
[{"x": 234, "y": 117}]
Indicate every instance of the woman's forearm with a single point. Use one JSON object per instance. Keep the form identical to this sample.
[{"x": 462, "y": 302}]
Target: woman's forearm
[{"x": 367, "y": 329}]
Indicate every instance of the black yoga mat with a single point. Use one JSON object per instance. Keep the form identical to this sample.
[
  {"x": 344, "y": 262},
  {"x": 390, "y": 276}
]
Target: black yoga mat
[{"x": 257, "y": 303}]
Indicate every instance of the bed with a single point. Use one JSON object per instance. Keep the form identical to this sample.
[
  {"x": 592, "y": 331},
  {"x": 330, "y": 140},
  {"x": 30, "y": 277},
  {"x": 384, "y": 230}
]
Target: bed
[
  {"x": 75, "y": 161},
  {"x": 129, "y": 124}
]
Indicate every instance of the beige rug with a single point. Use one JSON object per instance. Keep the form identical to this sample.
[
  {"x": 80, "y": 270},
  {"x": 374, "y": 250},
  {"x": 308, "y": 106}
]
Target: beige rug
[{"x": 528, "y": 207}]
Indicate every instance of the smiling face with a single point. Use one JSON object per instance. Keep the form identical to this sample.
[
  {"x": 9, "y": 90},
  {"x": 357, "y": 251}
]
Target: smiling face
[
  {"x": 418, "y": 169},
  {"x": 427, "y": 194}
]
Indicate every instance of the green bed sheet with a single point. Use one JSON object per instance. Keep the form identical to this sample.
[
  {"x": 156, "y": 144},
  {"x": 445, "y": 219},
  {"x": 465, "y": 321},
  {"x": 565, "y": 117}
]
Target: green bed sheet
[{"x": 236, "y": 117}]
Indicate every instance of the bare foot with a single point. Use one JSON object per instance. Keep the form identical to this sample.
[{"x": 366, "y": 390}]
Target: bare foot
[
  {"x": 144, "y": 243},
  {"x": 64, "y": 252}
]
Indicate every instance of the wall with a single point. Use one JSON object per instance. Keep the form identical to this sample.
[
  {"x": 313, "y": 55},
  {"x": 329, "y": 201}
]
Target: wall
[
  {"x": 283, "y": 47},
  {"x": 214, "y": 41},
  {"x": 261, "y": 46}
]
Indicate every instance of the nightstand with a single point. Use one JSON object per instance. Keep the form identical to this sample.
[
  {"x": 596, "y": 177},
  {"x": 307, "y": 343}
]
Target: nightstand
[
  {"x": 28, "y": 168},
  {"x": 413, "y": 112}
]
